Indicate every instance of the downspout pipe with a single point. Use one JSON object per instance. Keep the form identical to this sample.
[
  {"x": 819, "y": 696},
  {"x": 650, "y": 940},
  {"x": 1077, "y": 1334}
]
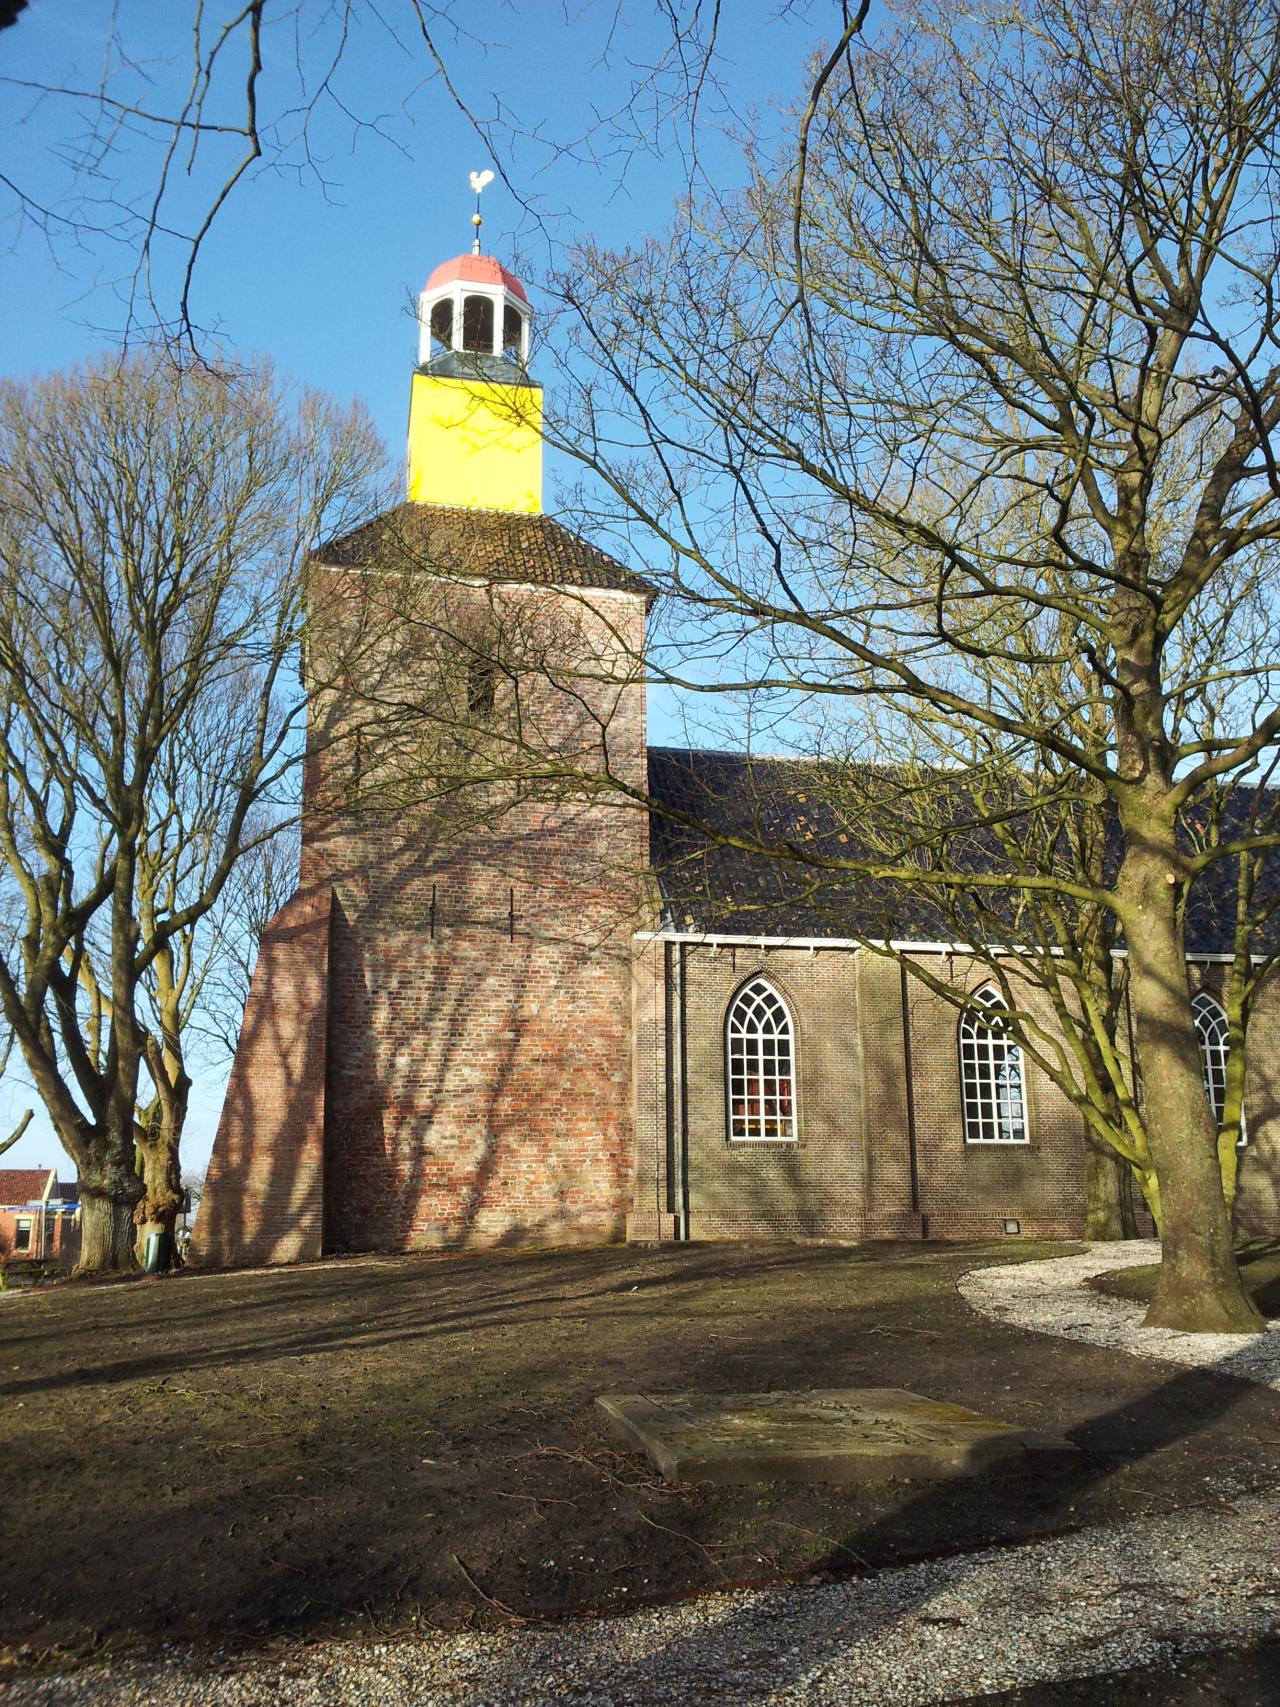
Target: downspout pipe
[
  {"x": 908, "y": 1068},
  {"x": 679, "y": 1097}
]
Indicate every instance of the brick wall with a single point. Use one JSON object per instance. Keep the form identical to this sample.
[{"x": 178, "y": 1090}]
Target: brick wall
[
  {"x": 263, "y": 1193},
  {"x": 967, "y": 1190},
  {"x": 811, "y": 1187},
  {"x": 480, "y": 1073},
  {"x": 657, "y": 1200},
  {"x": 1257, "y": 1208},
  {"x": 892, "y": 1196},
  {"x": 849, "y": 1174},
  {"x": 54, "y": 1235}
]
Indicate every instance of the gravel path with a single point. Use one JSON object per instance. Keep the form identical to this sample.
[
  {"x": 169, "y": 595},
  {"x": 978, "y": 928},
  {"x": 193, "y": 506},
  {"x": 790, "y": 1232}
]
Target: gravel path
[
  {"x": 1050, "y": 1298},
  {"x": 1102, "y": 1600}
]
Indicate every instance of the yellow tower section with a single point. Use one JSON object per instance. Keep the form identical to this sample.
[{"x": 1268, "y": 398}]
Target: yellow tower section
[
  {"x": 475, "y": 442},
  {"x": 475, "y": 416}
]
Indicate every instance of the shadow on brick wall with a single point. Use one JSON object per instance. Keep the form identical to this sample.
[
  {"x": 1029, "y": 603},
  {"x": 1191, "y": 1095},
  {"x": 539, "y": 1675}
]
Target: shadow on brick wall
[
  {"x": 263, "y": 1192},
  {"x": 479, "y": 1036}
]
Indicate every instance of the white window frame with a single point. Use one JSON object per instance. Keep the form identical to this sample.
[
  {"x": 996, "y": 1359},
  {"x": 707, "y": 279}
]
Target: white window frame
[
  {"x": 760, "y": 1050},
  {"x": 1214, "y": 1036},
  {"x": 993, "y": 1080},
  {"x": 24, "y": 1224}
]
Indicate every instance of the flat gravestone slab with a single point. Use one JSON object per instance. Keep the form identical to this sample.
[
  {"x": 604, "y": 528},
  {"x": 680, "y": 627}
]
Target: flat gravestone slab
[{"x": 833, "y": 1434}]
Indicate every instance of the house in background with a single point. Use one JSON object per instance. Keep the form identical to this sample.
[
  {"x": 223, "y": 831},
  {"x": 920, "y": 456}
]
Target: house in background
[{"x": 39, "y": 1217}]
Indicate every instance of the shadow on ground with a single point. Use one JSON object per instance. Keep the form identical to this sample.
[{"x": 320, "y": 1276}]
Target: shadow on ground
[{"x": 412, "y": 1441}]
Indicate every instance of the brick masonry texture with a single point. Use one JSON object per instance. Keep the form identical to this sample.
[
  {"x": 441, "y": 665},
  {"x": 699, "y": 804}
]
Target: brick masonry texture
[
  {"x": 813, "y": 1186},
  {"x": 263, "y": 1193},
  {"x": 849, "y": 1174},
  {"x": 479, "y": 1088},
  {"x": 967, "y": 1191},
  {"x": 54, "y": 1235},
  {"x": 1258, "y": 1180}
]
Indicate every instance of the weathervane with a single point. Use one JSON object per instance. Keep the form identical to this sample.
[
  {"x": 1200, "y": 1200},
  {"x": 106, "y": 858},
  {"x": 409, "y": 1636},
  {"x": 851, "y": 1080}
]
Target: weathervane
[{"x": 478, "y": 182}]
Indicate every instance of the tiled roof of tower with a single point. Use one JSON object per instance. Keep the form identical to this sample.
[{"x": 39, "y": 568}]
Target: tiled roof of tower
[
  {"x": 485, "y": 545},
  {"x": 707, "y": 885}
]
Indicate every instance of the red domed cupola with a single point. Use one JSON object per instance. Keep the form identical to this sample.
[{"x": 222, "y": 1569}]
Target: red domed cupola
[
  {"x": 476, "y": 269},
  {"x": 472, "y": 305}
]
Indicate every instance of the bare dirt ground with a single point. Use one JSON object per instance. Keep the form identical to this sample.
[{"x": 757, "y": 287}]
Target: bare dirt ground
[{"x": 390, "y": 1443}]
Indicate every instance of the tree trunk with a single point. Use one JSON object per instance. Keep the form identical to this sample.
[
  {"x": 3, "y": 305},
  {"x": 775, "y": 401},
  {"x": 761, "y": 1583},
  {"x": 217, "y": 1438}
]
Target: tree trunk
[
  {"x": 1231, "y": 1130},
  {"x": 1199, "y": 1287},
  {"x": 107, "y": 1234},
  {"x": 159, "y": 1135},
  {"x": 1104, "y": 1193},
  {"x": 1139, "y": 1187},
  {"x": 161, "y": 1199},
  {"x": 1229, "y": 1167}
]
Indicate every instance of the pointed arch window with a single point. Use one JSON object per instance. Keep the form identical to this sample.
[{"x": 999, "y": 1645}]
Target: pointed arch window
[
  {"x": 991, "y": 1073},
  {"x": 1215, "y": 1046},
  {"x": 760, "y": 1064}
]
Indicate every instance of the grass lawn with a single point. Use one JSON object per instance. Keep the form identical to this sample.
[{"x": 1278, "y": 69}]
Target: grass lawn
[
  {"x": 380, "y": 1443},
  {"x": 1259, "y": 1261}
]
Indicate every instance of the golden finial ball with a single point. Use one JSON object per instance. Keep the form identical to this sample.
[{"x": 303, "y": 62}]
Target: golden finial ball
[{"x": 476, "y": 220}]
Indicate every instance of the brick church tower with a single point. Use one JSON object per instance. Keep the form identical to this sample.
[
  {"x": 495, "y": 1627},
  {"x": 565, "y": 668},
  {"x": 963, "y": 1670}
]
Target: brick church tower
[{"x": 436, "y": 1049}]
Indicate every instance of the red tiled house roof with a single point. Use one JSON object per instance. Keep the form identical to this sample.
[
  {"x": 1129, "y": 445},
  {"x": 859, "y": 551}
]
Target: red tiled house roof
[{"x": 27, "y": 1185}]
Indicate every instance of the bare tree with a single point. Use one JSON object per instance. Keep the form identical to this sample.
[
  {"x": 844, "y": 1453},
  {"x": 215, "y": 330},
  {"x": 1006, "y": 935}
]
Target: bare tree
[
  {"x": 24, "y": 1120},
  {"x": 154, "y": 530},
  {"x": 965, "y": 409},
  {"x": 227, "y": 948},
  {"x": 155, "y": 150}
]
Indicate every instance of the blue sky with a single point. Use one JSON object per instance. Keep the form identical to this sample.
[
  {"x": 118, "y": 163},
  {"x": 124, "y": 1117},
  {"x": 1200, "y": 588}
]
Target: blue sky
[
  {"x": 316, "y": 261},
  {"x": 320, "y": 274}
]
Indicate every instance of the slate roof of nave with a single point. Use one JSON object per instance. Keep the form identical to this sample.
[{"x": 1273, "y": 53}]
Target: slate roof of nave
[
  {"x": 708, "y": 886},
  {"x": 482, "y": 545}
]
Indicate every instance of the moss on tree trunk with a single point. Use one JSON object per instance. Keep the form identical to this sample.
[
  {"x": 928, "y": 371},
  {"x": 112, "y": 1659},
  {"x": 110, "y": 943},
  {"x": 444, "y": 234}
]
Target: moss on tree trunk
[
  {"x": 1199, "y": 1288},
  {"x": 161, "y": 1199},
  {"x": 1105, "y": 1197}
]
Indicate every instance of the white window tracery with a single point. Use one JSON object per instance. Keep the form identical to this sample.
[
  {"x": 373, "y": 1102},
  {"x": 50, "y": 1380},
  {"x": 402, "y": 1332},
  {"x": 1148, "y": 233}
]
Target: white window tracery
[
  {"x": 991, "y": 1073},
  {"x": 760, "y": 1064},
  {"x": 1215, "y": 1046}
]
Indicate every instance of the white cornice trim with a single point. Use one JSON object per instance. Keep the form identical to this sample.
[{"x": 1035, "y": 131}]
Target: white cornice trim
[{"x": 905, "y": 945}]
